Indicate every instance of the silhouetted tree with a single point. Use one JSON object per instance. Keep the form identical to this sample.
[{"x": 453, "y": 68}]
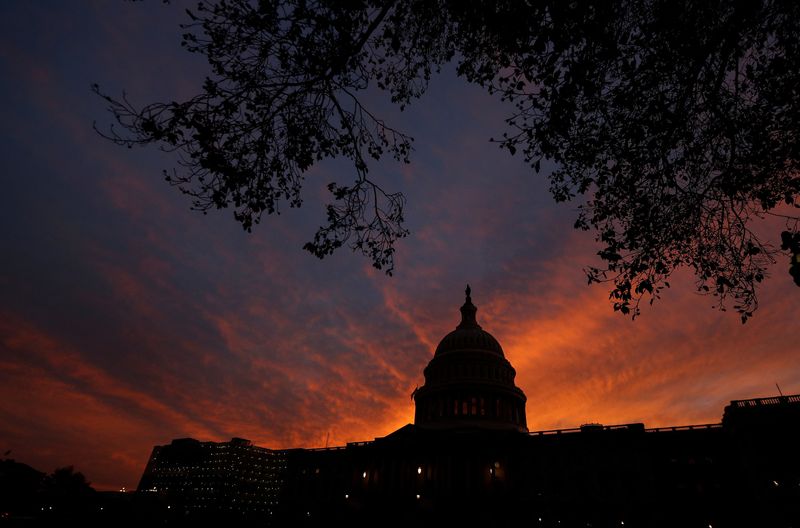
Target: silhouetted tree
[
  {"x": 19, "y": 486},
  {"x": 66, "y": 494},
  {"x": 26, "y": 493},
  {"x": 67, "y": 482},
  {"x": 676, "y": 122}
]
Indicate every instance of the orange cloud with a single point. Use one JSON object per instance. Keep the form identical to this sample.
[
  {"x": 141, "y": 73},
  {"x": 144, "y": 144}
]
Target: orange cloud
[{"x": 62, "y": 410}]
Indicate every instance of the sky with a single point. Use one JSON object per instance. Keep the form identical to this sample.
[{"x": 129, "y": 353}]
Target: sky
[{"x": 128, "y": 320}]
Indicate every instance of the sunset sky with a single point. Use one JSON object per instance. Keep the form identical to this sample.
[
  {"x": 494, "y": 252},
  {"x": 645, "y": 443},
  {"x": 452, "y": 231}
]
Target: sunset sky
[{"x": 127, "y": 320}]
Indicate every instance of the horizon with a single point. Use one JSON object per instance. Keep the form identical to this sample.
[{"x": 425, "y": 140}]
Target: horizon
[{"x": 127, "y": 320}]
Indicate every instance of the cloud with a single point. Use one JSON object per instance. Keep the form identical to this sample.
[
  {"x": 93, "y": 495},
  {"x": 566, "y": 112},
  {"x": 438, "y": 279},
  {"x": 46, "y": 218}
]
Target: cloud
[{"x": 58, "y": 405}]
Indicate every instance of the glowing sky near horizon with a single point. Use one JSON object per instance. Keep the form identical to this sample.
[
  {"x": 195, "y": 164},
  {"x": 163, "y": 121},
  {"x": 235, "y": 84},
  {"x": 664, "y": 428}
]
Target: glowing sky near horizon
[{"x": 127, "y": 320}]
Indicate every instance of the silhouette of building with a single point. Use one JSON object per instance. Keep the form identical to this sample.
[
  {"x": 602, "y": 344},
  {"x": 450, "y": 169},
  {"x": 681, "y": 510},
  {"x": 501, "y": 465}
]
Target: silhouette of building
[
  {"x": 235, "y": 480},
  {"x": 469, "y": 383},
  {"x": 469, "y": 459}
]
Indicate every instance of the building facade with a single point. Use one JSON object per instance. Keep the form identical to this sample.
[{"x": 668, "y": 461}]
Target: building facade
[
  {"x": 470, "y": 460},
  {"x": 229, "y": 480}
]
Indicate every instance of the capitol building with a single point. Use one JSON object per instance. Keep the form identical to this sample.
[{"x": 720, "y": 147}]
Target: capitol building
[{"x": 469, "y": 460}]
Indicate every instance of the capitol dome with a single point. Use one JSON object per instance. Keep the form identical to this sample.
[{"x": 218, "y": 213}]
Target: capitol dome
[{"x": 469, "y": 383}]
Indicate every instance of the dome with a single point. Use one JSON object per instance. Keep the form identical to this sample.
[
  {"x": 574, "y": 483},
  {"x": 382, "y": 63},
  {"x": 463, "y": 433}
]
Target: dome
[
  {"x": 469, "y": 335},
  {"x": 469, "y": 382},
  {"x": 469, "y": 339}
]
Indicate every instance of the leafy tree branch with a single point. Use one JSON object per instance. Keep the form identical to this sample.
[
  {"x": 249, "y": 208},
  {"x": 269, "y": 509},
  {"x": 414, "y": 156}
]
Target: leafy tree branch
[{"x": 675, "y": 125}]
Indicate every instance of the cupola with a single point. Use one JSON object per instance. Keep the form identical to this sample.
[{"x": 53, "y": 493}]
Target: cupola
[{"x": 469, "y": 383}]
